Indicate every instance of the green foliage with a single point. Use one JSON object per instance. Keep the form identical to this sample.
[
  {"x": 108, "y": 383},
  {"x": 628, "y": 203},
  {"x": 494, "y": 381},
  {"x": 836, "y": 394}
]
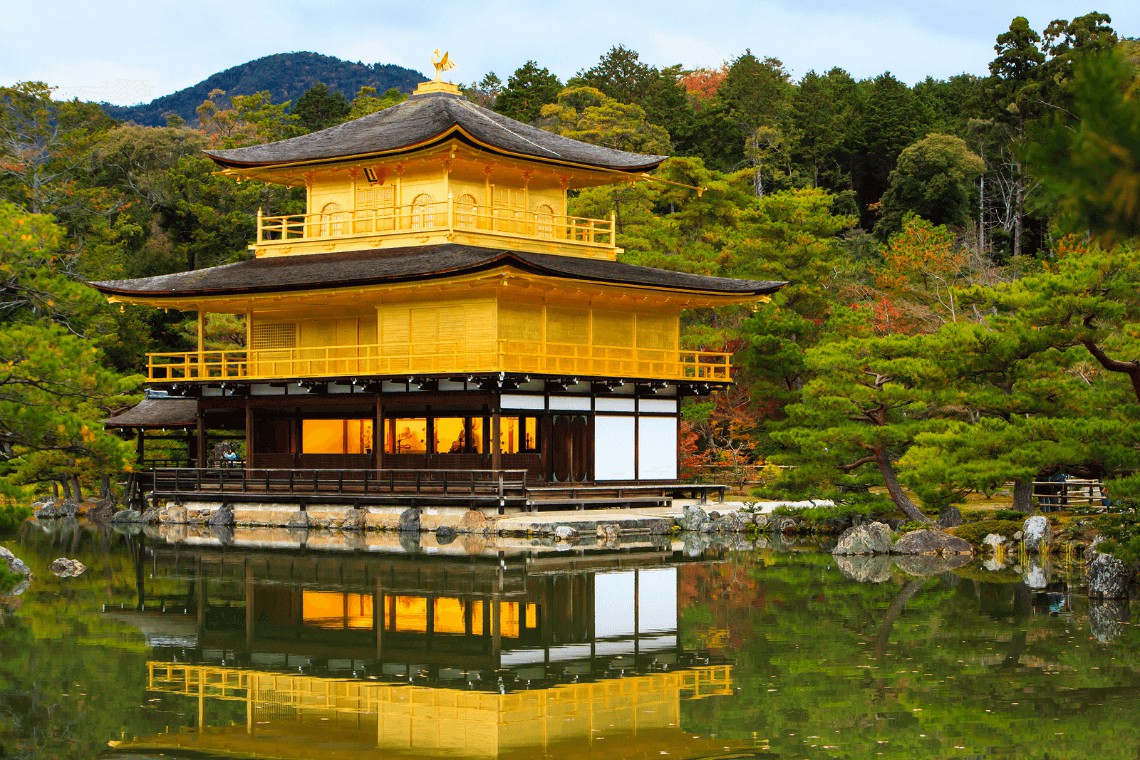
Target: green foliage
[
  {"x": 845, "y": 511},
  {"x": 1088, "y": 156},
  {"x": 587, "y": 114},
  {"x": 320, "y": 108},
  {"x": 976, "y": 532},
  {"x": 935, "y": 178},
  {"x": 529, "y": 89}
]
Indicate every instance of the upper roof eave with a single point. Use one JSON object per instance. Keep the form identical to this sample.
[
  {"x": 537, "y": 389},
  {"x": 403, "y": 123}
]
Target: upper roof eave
[{"x": 425, "y": 120}]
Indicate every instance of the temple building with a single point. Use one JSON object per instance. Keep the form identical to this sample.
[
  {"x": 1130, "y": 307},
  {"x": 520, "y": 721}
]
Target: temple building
[{"x": 436, "y": 309}]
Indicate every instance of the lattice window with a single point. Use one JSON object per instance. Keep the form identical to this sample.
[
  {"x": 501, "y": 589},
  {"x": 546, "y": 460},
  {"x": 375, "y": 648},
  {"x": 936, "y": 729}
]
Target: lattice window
[
  {"x": 375, "y": 197},
  {"x": 273, "y": 335},
  {"x": 544, "y": 221},
  {"x": 465, "y": 211}
]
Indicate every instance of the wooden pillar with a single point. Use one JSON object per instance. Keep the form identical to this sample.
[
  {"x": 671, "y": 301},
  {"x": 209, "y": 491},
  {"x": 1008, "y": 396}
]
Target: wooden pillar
[
  {"x": 378, "y": 435},
  {"x": 140, "y": 447},
  {"x": 496, "y": 447},
  {"x": 248, "y": 433},
  {"x": 201, "y": 340},
  {"x": 201, "y": 439}
]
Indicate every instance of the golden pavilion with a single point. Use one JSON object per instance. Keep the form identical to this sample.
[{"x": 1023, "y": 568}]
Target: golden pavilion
[{"x": 436, "y": 312}]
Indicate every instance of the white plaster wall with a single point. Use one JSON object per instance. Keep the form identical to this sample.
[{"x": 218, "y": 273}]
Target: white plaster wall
[
  {"x": 657, "y": 457},
  {"x": 614, "y": 445}
]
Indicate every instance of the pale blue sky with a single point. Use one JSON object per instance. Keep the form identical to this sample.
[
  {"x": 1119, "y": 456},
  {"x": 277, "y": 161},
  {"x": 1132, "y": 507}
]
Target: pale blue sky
[{"x": 130, "y": 51}]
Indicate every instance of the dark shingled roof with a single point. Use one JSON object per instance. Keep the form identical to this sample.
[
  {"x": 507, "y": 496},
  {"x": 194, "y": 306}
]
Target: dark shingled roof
[
  {"x": 157, "y": 412},
  {"x": 427, "y": 119},
  {"x": 325, "y": 270}
]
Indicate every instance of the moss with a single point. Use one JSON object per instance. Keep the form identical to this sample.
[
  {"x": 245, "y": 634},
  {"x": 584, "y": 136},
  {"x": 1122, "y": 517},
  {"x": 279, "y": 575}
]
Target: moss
[{"x": 975, "y": 532}]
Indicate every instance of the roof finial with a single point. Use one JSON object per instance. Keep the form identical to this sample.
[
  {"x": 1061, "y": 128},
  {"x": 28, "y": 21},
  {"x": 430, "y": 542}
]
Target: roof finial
[{"x": 441, "y": 64}]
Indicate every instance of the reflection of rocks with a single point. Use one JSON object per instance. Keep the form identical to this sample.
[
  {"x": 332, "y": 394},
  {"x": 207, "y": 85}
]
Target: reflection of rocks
[
  {"x": 608, "y": 534},
  {"x": 995, "y": 565},
  {"x": 67, "y": 568},
  {"x": 410, "y": 542},
  {"x": 994, "y": 541},
  {"x": 444, "y": 535},
  {"x": 1107, "y": 619},
  {"x": 931, "y": 542},
  {"x": 865, "y": 568},
  {"x": 696, "y": 543},
  {"x": 1036, "y": 533},
  {"x": 566, "y": 533},
  {"x": 874, "y": 538},
  {"x": 1035, "y": 574},
  {"x": 223, "y": 533},
  {"x": 474, "y": 544},
  {"x": 923, "y": 565}
]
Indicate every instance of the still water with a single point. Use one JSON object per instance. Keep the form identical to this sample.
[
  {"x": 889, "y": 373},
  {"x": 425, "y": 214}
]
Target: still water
[{"x": 177, "y": 645}]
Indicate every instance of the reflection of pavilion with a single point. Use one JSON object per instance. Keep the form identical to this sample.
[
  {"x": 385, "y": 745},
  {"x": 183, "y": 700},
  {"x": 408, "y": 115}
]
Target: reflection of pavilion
[{"x": 431, "y": 656}]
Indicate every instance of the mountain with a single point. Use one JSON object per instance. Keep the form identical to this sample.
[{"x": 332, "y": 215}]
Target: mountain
[{"x": 286, "y": 76}]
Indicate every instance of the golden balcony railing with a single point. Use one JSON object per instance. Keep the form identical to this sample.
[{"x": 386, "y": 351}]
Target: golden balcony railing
[
  {"x": 449, "y": 216},
  {"x": 439, "y": 358}
]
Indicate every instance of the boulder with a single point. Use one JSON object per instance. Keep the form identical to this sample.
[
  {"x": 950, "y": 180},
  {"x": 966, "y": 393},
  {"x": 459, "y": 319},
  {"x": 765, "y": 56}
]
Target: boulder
[
  {"x": 445, "y": 534},
  {"x": 931, "y": 542},
  {"x": 1036, "y": 533},
  {"x": 566, "y": 533},
  {"x": 14, "y": 563},
  {"x": 730, "y": 523},
  {"x": 298, "y": 520},
  {"x": 102, "y": 510},
  {"x": 52, "y": 509},
  {"x": 994, "y": 541},
  {"x": 864, "y": 539},
  {"x": 126, "y": 516},
  {"x": 356, "y": 519},
  {"x": 223, "y": 517},
  {"x": 761, "y": 521},
  {"x": 608, "y": 533},
  {"x": 152, "y": 516},
  {"x": 694, "y": 519},
  {"x": 865, "y": 568},
  {"x": 410, "y": 520},
  {"x": 67, "y": 568},
  {"x": 783, "y": 524},
  {"x": 173, "y": 514},
  {"x": 951, "y": 517},
  {"x": 473, "y": 521},
  {"x": 1108, "y": 577}
]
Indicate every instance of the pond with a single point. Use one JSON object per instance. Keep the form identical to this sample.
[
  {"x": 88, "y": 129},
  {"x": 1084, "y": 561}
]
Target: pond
[{"x": 175, "y": 645}]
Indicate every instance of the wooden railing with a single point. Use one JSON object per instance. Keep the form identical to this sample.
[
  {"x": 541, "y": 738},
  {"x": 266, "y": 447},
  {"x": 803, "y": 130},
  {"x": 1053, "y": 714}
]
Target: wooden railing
[
  {"x": 440, "y": 357},
  {"x": 493, "y": 484},
  {"x": 447, "y": 215}
]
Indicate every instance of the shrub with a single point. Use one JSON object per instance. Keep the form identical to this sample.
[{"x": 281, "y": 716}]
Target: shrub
[
  {"x": 8, "y": 579},
  {"x": 1010, "y": 514},
  {"x": 1122, "y": 535},
  {"x": 975, "y": 532}
]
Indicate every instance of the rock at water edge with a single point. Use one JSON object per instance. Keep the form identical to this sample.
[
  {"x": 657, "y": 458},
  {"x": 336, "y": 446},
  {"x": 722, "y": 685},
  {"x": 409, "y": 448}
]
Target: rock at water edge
[{"x": 874, "y": 538}]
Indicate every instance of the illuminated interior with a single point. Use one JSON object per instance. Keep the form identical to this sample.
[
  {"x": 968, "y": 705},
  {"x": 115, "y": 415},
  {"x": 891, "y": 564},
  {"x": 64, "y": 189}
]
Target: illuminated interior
[
  {"x": 334, "y": 610},
  {"x": 336, "y": 436},
  {"x": 406, "y": 435},
  {"x": 518, "y": 434},
  {"x": 459, "y": 435}
]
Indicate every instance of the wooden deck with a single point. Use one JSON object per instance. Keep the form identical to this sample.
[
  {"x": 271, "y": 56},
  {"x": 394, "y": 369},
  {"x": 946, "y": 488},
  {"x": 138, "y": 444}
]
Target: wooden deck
[{"x": 501, "y": 489}]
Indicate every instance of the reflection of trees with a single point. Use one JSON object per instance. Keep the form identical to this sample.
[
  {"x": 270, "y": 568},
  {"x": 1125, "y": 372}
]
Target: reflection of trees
[{"x": 892, "y": 614}]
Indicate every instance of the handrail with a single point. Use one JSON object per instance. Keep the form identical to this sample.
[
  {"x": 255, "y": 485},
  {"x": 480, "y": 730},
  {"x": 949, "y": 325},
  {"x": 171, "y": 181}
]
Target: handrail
[
  {"x": 362, "y": 482},
  {"x": 447, "y": 215},
  {"x": 439, "y": 357}
]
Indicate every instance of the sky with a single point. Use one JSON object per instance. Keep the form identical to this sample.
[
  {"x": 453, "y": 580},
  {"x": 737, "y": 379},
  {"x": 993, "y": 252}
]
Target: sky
[{"x": 127, "y": 51}]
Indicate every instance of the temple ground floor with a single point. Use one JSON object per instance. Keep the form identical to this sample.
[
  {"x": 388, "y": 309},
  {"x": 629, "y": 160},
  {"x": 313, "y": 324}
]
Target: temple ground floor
[{"x": 474, "y": 442}]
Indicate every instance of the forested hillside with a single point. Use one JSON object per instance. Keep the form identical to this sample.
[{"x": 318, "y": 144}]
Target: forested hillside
[
  {"x": 285, "y": 76},
  {"x": 963, "y": 305}
]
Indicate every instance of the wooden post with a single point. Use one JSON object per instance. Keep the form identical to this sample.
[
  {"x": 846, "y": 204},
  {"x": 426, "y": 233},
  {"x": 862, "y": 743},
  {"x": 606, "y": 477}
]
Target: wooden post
[
  {"x": 201, "y": 340},
  {"x": 201, "y": 442},
  {"x": 248, "y": 433},
  {"x": 496, "y": 448}
]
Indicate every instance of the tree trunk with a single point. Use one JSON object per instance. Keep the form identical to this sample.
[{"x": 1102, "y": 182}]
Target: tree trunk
[
  {"x": 66, "y": 488},
  {"x": 1018, "y": 210},
  {"x": 75, "y": 487},
  {"x": 105, "y": 487},
  {"x": 1023, "y": 496},
  {"x": 55, "y": 489},
  {"x": 901, "y": 500}
]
